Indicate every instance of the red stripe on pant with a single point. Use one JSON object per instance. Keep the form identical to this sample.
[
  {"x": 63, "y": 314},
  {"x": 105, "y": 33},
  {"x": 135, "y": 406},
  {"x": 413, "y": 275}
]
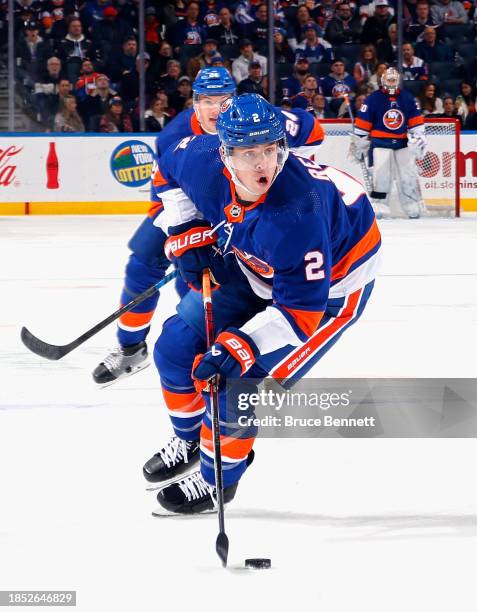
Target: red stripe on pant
[
  {"x": 232, "y": 449},
  {"x": 301, "y": 355}
]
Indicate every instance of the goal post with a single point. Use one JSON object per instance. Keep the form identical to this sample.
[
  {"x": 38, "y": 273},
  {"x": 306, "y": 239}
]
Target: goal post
[{"x": 438, "y": 171}]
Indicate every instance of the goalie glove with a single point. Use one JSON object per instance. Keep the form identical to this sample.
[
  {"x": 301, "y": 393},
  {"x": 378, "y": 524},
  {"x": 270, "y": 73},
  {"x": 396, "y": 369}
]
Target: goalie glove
[
  {"x": 358, "y": 147},
  {"x": 192, "y": 247},
  {"x": 418, "y": 143},
  {"x": 232, "y": 355}
]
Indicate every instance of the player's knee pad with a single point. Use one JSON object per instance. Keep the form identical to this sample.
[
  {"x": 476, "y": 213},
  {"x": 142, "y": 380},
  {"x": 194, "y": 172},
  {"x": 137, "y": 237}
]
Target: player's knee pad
[{"x": 174, "y": 352}]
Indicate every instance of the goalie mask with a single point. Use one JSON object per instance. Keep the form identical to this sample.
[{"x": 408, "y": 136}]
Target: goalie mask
[{"x": 390, "y": 81}]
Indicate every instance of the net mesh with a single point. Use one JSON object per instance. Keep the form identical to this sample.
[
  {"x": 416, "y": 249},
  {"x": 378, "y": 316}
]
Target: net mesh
[{"x": 437, "y": 170}]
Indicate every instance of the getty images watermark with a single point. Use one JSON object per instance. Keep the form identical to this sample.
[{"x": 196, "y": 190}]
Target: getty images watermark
[{"x": 389, "y": 408}]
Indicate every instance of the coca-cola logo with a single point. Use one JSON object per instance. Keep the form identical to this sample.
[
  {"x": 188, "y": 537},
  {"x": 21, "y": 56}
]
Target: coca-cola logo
[{"x": 7, "y": 169}]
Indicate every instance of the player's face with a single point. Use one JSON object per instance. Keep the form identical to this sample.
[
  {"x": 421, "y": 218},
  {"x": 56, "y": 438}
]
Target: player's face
[
  {"x": 255, "y": 167},
  {"x": 208, "y": 109}
]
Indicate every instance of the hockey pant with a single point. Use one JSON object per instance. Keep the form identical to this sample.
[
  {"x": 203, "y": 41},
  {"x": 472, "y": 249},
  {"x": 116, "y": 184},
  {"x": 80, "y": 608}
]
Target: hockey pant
[
  {"x": 400, "y": 164},
  {"x": 183, "y": 337},
  {"x": 146, "y": 266}
]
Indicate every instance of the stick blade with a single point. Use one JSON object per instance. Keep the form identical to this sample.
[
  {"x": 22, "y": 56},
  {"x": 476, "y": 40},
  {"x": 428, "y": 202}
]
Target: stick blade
[
  {"x": 42, "y": 349},
  {"x": 222, "y": 547}
]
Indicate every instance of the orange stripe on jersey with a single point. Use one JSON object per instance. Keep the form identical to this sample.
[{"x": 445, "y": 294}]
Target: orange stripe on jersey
[
  {"x": 363, "y": 124},
  {"x": 317, "y": 133},
  {"x": 380, "y": 134},
  {"x": 235, "y": 448},
  {"x": 136, "y": 319},
  {"x": 183, "y": 402},
  {"x": 319, "y": 339},
  {"x": 413, "y": 121},
  {"x": 158, "y": 180},
  {"x": 154, "y": 208},
  {"x": 367, "y": 242},
  {"x": 307, "y": 320},
  {"x": 195, "y": 125}
]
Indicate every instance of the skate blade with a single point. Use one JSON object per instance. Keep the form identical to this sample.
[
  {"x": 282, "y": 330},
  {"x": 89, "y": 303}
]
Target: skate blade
[
  {"x": 161, "y": 512},
  {"x": 158, "y": 486},
  {"x": 137, "y": 369}
]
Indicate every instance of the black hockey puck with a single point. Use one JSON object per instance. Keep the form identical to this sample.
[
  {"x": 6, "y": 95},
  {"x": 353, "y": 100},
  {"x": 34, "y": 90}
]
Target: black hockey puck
[{"x": 258, "y": 563}]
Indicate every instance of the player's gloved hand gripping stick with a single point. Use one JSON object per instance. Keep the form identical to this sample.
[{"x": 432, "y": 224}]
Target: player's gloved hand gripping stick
[{"x": 55, "y": 352}]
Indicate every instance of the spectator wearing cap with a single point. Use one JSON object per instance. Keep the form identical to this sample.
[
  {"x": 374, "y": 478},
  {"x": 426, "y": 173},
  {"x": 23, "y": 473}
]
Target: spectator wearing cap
[
  {"x": 168, "y": 81},
  {"x": 449, "y": 12},
  {"x": 343, "y": 28},
  {"x": 209, "y": 49},
  {"x": 74, "y": 48},
  {"x": 31, "y": 53},
  {"x": 413, "y": 68},
  {"x": 116, "y": 119},
  {"x": 241, "y": 64},
  {"x": 122, "y": 62},
  {"x": 129, "y": 84},
  {"x": 178, "y": 100},
  {"x": 336, "y": 84},
  {"x": 254, "y": 82},
  {"x": 314, "y": 48},
  {"x": 96, "y": 102},
  {"x": 375, "y": 29},
  {"x": 226, "y": 32},
  {"x": 157, "y": 116},
  {"x": 420, "y": 22},
  {"x": 387, "y": 49},
  {"x": 67, "y": 118},
  {"x": 296, "y": 33},
  {"x": 291, "y": 85},
  {"x": 109, "y": 33},
  {"x": 304, "y": 98},
  {"x": 283, "y": 52},
  {"x": 430, "y": 50},
  {"x": 189, "y": 31}
]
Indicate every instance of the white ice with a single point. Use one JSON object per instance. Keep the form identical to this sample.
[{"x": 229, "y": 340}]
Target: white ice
[{"x": 372, "y": 525}]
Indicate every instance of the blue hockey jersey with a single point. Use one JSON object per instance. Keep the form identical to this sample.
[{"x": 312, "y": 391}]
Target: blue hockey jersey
[
  {"x": 387, "y": 118},
  {"x": 311, "y": 237}
]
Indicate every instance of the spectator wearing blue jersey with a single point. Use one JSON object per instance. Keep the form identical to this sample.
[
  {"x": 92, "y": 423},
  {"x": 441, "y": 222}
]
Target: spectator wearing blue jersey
[
  {"x": 189, "y": 31},
  {"x": 315, "y": 49},
  {"x": 338, "y": 82},
  {"x": 430, "y": 50},
  {"x": 304, "y": 98},
  {"x": 291, "y": 85},
  {"x": 413, "y": 68}
]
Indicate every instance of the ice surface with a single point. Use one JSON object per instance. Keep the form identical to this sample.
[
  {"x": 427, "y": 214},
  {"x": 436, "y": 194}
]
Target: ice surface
[{"x": 349, "y": 524}]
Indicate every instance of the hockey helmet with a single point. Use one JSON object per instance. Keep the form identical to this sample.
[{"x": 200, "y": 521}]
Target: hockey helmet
[{"x": 213, "y": 81}]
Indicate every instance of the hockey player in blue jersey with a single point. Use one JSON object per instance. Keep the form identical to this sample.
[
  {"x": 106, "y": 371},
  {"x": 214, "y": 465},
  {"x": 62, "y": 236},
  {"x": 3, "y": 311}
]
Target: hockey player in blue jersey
[
  {"x": 388, "y": 119},
  {"x": 147, "y": 263},
  {"x": 300, "y": 254}
]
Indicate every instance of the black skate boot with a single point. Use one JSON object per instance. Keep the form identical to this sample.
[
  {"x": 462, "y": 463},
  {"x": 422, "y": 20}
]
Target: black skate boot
[
  {"x": 121, "y": 362},
  {"x": 192, "y": 495},
  {"x": 176, "y": 458}
]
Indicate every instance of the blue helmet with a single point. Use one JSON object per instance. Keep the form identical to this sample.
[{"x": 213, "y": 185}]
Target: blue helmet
[
  {"x": 213, "y": 81},
  {"x": 249, "y": 120}
]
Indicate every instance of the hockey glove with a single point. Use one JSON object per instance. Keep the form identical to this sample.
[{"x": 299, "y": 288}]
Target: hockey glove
[
  {"x": 359, "y": 147},
  {"x": 232, "y": 355},
  {"x": 191, "y": 246},
  {"x": 419, "y": 145}
]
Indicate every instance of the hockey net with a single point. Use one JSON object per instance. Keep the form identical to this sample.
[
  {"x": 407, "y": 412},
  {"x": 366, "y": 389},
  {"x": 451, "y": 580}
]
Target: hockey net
[{"x": 437, "y": 171}]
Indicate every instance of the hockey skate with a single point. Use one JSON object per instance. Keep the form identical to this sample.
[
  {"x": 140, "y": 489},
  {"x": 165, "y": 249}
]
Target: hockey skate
[
  {"x": 121, "y": 362},
  {"x": 173, "y": 461},
  {"x": 192, "y": 495}
]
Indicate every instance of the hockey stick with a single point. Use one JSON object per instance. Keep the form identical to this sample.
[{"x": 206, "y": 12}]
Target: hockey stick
[
  {"x": 362, "y": 163},
  {"x": 222, "y": 542},
  {"x": 55, "y": 352}
]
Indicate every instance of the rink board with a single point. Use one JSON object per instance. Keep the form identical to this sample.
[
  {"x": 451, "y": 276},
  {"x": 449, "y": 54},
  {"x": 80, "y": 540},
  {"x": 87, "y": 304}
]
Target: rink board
[{"x": 109, "y": 174}]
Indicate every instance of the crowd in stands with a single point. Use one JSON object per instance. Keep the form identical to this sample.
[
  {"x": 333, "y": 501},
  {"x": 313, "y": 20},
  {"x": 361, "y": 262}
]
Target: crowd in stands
[{"x": 77, "y": 61}]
